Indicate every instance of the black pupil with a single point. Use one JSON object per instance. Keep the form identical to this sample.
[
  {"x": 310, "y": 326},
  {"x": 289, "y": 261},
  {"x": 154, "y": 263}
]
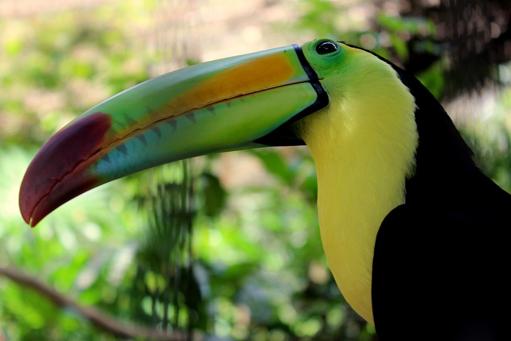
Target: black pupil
[{"x": 326, "y": 47}]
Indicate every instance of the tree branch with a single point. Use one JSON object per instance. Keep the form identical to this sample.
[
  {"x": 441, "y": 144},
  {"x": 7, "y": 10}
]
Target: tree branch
[{"x": 98, "y": 318}]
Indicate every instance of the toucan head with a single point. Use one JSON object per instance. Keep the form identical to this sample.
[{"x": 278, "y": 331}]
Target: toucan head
[
  {"x": 254, "y": 100},
  {"x": 348, "y": 105},
  {"x": 233, "y": 103}
]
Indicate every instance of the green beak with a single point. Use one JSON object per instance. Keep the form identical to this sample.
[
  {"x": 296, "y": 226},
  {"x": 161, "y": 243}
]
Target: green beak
[{"x": 233, "y": 103}]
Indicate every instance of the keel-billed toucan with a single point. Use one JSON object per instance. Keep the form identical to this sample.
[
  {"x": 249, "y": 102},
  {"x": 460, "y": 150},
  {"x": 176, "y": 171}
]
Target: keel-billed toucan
[{"x": 415, "y": 235}]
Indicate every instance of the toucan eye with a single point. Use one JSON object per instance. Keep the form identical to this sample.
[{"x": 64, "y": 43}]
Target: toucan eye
[{"x": 326, "y": 47}]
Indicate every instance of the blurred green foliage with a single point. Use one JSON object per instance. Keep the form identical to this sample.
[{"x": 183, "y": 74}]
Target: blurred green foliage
[
  {"x": 254, "y": 266},
  {"x": 259, "y": 272}
]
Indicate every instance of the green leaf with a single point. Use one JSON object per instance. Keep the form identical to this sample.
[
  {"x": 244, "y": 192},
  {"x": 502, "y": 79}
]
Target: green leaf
[
  {"x": 275, "y": 164},
  {"x": 214, "y": 196}
]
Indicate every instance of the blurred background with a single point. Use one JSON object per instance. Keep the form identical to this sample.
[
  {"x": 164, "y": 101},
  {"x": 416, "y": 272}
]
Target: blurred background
[{"x": 223, "y": 247}]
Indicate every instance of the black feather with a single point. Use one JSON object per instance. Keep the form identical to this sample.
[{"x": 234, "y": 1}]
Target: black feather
[{"x": 441, "y": 260}]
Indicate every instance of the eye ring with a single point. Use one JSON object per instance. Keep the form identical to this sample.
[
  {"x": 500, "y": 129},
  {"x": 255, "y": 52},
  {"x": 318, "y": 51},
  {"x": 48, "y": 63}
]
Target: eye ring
[{"x": 326, "y": 47}]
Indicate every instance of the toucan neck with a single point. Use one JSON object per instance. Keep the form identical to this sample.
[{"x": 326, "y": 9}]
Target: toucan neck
[{"x": 363, "y": 145}]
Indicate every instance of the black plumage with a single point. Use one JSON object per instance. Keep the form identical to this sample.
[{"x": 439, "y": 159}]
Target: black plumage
[{"x": 441, "y": 261}]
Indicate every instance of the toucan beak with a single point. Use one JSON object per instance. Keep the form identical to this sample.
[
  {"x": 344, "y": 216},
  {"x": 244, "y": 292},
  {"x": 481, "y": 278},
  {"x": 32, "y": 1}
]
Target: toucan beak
[{"x": 233, "y": 103}]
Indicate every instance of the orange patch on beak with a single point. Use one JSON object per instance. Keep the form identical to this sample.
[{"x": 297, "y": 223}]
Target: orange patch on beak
[{"x": 264, "y": 73}]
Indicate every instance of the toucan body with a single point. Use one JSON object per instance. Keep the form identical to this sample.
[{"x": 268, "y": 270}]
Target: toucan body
[{"x": 414, "y": 233}]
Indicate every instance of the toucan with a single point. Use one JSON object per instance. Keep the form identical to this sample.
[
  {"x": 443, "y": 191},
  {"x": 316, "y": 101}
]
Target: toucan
[{"x": 413, "y": 231}]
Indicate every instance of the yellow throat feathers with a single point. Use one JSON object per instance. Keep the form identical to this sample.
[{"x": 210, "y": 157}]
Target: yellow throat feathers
[{"x": 363, "y": 145}]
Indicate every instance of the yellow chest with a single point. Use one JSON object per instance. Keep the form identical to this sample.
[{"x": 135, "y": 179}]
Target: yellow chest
[{"x": 363, "y": 151}]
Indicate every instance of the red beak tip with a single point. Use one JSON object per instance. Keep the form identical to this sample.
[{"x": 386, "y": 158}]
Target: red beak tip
[
  {"x": 56, "y": 174},
  {"x": 27, "y": 219}
]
